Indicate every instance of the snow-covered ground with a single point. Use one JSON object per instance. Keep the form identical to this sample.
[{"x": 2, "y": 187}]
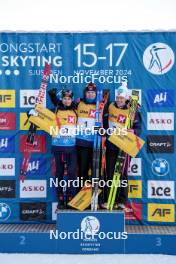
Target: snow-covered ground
[{"x": 86, "y": 259}]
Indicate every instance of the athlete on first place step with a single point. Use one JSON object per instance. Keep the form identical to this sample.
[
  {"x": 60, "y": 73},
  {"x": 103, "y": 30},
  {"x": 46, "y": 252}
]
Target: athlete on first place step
[
  {"x": 64, "y": 144},
  {"x": 84, "y": 142},
  {"x": 117, "y": 114}
]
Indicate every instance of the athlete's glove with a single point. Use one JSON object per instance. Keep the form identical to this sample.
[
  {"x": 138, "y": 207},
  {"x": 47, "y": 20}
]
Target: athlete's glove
[
  {"x": 53, "y": 96},
  {"x": 32, "y": 112}
]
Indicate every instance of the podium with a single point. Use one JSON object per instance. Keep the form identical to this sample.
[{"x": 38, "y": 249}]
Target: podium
[
  {"x": 90, "y": 232},
  {"x": 87, "y": 233}
]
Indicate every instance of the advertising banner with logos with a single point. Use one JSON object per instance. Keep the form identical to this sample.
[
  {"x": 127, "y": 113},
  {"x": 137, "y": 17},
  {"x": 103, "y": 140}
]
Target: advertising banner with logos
[{"x": 145, "y": 60}]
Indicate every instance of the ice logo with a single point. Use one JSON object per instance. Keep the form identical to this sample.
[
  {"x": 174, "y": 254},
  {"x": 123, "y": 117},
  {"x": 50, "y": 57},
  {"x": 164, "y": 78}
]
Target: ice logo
[
  {"x": 5, "y": 211},
  {"x": 160, "y": 167},
  {"x": 90, "y": 225},
  {"x": 158, "y": 58}
]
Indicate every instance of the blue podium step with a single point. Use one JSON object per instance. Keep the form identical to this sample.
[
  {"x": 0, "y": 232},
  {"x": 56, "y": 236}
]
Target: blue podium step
[{"x": 35, "y": 238}]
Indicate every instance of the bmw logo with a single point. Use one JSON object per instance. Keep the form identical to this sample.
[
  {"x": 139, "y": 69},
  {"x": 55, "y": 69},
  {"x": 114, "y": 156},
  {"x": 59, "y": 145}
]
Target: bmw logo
[
  {"x": 5, "y": 211},
  {"x": 160, "y": 167}
]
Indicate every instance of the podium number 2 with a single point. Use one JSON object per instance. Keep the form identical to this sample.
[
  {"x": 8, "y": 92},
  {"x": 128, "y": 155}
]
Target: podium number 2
[{"x": 22, "y": 240}]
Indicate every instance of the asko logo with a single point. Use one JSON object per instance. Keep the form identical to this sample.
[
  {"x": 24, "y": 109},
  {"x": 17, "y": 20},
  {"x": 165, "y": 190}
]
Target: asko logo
[
  {"x": 161, "y": 189},
  {"x": 33, "y": 189},
  {"x": 7, "y": 121},
  {"x": 161, "y": 212},
  {"x": 7, "y": 166},
  {"x": 158, "y": 58},
  {"x": 135, "y": 167},
  {"x": 160, "y": 121},
  {"x": 28, "y": 98}
]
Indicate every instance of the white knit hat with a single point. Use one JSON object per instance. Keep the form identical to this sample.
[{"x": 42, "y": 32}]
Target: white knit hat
[{"x": 122, "y": 91}]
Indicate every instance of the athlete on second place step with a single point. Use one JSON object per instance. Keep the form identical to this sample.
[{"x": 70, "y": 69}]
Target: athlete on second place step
[{"x": 64, "y": 145}]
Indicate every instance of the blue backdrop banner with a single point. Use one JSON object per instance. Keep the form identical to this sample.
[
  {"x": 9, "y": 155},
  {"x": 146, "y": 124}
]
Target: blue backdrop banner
[{"x": 145, "y": 60}]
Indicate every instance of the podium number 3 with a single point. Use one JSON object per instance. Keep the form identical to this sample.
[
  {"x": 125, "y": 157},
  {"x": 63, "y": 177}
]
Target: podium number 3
[{"x": 158, "y": 241}]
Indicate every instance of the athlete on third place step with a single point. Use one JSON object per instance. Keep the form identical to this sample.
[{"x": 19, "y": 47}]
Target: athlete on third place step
[{"x": 117, "y": 114}]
